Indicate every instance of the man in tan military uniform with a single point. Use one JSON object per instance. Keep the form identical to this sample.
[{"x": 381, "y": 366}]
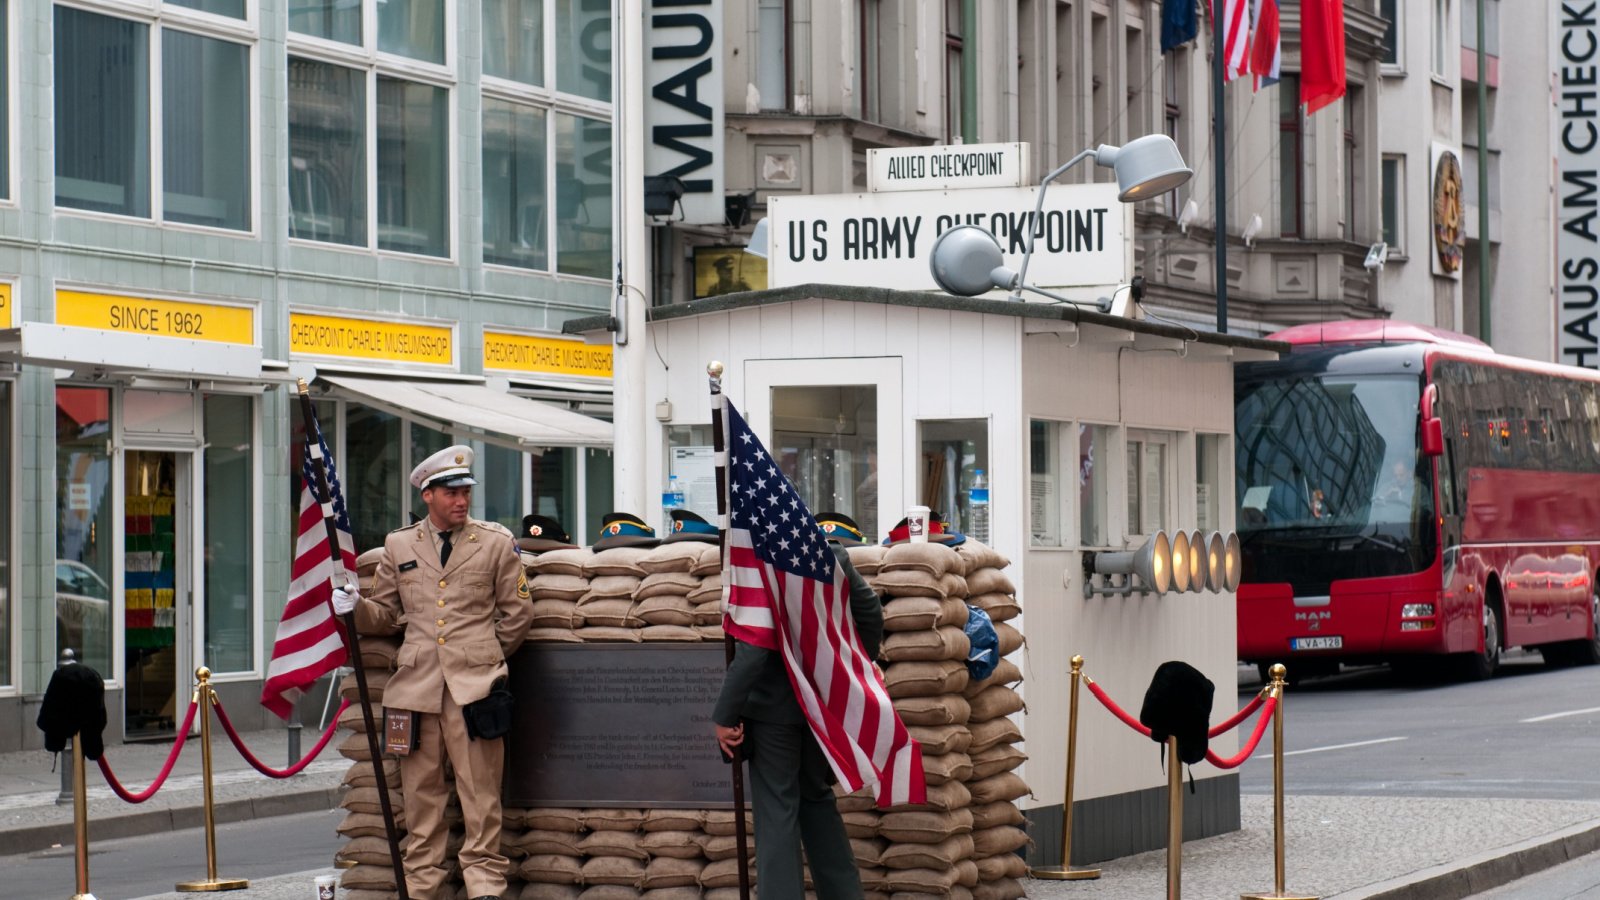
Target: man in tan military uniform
[{"x": 454, "y": 586}]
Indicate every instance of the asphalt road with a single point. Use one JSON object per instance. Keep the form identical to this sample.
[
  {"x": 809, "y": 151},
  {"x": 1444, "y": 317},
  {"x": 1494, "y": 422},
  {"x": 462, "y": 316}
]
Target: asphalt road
[
  {"x": 1531, "y": 732},
  {"x": 143, "y": 866}
]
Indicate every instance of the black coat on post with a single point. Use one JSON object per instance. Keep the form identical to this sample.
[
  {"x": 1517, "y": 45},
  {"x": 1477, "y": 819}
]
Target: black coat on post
[{"x": 74, "y": 704}]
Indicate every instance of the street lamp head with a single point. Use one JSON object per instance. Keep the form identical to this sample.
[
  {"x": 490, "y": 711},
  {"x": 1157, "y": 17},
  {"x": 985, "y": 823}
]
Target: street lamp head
[
  {"x": 966, "y": 261},
  {"x": 1146, "y": 166}
]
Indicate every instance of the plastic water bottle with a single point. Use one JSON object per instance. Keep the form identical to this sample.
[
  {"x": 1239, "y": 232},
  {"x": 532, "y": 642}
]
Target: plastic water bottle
[
  {"x": 671, "y": 499},
  {"x": 978, "y": 507}
]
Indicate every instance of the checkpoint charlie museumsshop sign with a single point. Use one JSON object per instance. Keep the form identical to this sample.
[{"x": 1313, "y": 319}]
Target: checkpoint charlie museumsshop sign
[{"x": 883, "y": 239}]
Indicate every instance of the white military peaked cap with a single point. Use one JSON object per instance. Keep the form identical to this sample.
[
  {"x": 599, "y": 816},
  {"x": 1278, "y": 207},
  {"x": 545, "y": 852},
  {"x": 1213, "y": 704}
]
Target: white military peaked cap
[{"x": 450, "y": 467}]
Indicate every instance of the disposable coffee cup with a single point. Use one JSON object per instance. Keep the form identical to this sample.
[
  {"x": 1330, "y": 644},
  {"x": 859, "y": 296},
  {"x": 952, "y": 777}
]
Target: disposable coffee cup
[
  {"x": 917, "y": 524},
  {"x": 327, "y": 885}
]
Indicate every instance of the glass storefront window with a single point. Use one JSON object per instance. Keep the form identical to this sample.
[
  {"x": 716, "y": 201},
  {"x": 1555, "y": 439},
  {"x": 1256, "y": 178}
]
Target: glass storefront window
[
  {"x": 1044, "y": 484},
  {"x": 599, "y": 485},
  {"x": 229, "y": 476},
  {"x": 205, "y": 127},
  {"x": 413, "y": 28},
  {"x": 515, "y": 198},
  {"x": 583, "y": 196},
  {"x": 413, "y": 167},
  {"x": 336, "y": 20},
  {"x": 825, "y": 440},
  {"x": 513, "y": 40},
  {"x": 583, "y": 48},
  {"x": 501, "y": 486},
  {"x": 953, "y": 452},
  {"x": 84, "y": 528},
  {"x": 1208, "y": 469},
  {"x": 372, "y": 476},
  {"x": 7, "y": 523},
  {"x": 327, "y": 153},
  {"x": 102, "y": 113},
  {"x": 554, "y": 480},
  {"x": 425, "y": 442},
  {"x": 1094, "y": 442},
  {"x": 690, "y": 457}
]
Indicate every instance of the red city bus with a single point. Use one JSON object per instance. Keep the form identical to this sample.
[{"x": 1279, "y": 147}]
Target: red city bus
[{"x": 1405, "y": 493}]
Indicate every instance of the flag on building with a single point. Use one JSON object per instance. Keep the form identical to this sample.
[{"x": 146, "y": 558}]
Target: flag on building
[
  {"x": 1233, "y": 24},
  {"x": 787, "y": 593},
  {"x": 1321, "y": 53},
  {"x": 310, "y": 643},
  {"x": 1266, "y": 50},
  {"x": 1179, "y": 23}
]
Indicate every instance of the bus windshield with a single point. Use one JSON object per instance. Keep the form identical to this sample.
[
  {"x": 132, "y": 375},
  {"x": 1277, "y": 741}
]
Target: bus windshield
[{"x": 1329, "y": 479}]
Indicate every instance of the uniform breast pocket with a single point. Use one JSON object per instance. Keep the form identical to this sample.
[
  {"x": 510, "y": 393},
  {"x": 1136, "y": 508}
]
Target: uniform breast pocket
[{"x": 484, "y": 653}]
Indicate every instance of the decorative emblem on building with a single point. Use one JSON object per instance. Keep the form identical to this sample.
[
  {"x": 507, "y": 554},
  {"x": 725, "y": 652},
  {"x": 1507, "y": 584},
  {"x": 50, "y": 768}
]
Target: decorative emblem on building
[{"x": 1449, "y": 235}]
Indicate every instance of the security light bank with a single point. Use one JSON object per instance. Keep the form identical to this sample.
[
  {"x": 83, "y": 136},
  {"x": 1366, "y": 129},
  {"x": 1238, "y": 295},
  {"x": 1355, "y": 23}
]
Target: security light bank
[{"x": 1185, "y": 562}]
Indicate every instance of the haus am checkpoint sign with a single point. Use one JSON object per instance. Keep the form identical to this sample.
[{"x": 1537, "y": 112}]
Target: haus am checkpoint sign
[{"x": 1083, "y": 236}]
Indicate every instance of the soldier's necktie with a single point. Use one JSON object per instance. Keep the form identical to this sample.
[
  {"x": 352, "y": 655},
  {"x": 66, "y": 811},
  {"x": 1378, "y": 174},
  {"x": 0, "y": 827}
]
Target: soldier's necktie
[{"x": 444, "y": 547}]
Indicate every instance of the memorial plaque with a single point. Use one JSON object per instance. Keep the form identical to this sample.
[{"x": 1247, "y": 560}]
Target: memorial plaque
[{"x": 625, "y": 725}]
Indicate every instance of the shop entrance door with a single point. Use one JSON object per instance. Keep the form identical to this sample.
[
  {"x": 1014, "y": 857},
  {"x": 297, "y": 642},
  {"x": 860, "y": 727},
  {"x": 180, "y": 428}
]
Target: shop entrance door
[{"x": 157, "y": 581}]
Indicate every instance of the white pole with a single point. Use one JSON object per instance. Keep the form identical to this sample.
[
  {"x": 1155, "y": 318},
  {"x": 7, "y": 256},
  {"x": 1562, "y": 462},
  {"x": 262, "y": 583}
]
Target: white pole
[{"x": 633, "y": 260}]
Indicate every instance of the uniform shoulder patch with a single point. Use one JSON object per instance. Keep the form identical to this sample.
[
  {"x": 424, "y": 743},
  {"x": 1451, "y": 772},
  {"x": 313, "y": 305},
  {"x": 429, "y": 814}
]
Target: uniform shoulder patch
[{"x": 522, "y": 587}]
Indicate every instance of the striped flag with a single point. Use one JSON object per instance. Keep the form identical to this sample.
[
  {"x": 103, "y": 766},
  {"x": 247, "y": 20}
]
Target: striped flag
[
  {"x": 1234, "y": 27},
  {"x": 1266, "y": 48},
  {"x": 784, "y": 591},
  {"x": 310, "y": 643}
]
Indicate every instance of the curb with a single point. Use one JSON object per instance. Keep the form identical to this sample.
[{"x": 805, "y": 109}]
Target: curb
[
  {"x": 32, "y": 838},
  {"x": 1484, "y": 871}
]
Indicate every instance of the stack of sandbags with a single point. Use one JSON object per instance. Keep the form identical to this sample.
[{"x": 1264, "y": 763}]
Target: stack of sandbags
[
  {"x": 556, "y": 582},
  {"x": 372, "y": 874},
  {"x": 707, "y": 598},
  {"x": 995, "y": 787},
  {"x": 605, "y": 612},
  {"x": 367, "y": 567},
  {"x": 662, "y": 600},
  {"x": 623, "y": 854}
]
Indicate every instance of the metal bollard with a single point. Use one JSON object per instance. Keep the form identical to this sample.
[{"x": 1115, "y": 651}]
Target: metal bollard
[
  {"x": 68, "y": 658},
  {"x": 1065, "y": 871},
  {"x": 1279, "y": 674},
  {"x": 206, "y": 697}
]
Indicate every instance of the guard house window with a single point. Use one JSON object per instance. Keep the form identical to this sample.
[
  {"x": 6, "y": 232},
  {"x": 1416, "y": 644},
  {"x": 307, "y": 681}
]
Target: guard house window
[
  {"x": 1210, "y": 467},
  {"x": 1094, "y": 485},
  {"x": 1394, "y": 169},
  {"x": 398, "y": 76},
  {"x": 105, "y": 112},
  {"x": 773, "y": 39},
  {"x": 230, "y": 555},
  {"x": 1149, "y": 482},
  {"x": 690, "y": 457},
  {"x": 1044, "y": 483},
  {"x": 84, "y": 531},
  {"x": 1291, "y": 160},
  {"x": 953, "y": 452},
  {"x": 825, "y": 440},
  {"x": 955, "y": 43}
]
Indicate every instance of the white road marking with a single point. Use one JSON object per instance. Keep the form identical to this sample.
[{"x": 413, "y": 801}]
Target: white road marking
[
  {"x": 1561, "y": 715},
  {"x": 1387, "y": 740}
]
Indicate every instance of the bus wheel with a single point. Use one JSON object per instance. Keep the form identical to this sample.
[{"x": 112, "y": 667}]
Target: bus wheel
[{"x": 1479, "y": 666}]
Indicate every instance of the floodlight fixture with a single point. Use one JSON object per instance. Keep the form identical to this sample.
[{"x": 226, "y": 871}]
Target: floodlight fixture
[
  {"x": 1197, "y": 561},
  {"x": 966, "y": 261},
  {"x": 1179, "y": 545},
  {"x": 1151, "y": 563}
]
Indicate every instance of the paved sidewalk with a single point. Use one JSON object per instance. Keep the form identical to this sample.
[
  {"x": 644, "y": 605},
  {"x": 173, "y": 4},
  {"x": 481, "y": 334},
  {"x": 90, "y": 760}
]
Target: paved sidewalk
[{"x": 1349, "y": 848}]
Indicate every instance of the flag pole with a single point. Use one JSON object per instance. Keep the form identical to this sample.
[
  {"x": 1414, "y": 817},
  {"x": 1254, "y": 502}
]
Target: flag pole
[
  {"x": 1220, "y": 151},
  {"x": 719, "y": 444},
  {"x": 324, "y": 498}
]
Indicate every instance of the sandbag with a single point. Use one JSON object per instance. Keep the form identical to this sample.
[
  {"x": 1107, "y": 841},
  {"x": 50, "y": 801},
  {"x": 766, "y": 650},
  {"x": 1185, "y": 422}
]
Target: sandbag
[
  {"x": 979, "y": 555},
  {"x": 931, "y": 644},
  {"x": 946, "y": 710},
  {"x": 1000, "y": 607},
  {"x": 945, "y": 797},
  {"x": 954, "y": 586},
  {"x": 553, "y": 635},
  {"x": 613, "y": 612},
  {"x": 554, "y": 819},
  {"x": 613, "y": 869},
  {"x": 557, "y": 587},
  {"x": 924, "y": 881},
  {"x": 673, "y": 819},
  {"x": 721, "y": 822},
  {"x": 368, "y": 877},
  {"x": 995, "y": 731},
  {"x": 551, "y": 869},
  {"x": 725, "y": 873},
  {"x": 1006, "y": 673},
  {"x": 709, "y": 612},
  {"x": 367, "y": 851},
  {"x": 862, "y": 825},
  {"x": 1006, "y": 865},
  {"x": 1010, "y": 638},
  {"x": 910, "y": 614},
  {"x": 612, "y": 843},
  {"x": 932, "y": 558},
  {"x": 867, "y": 559},
  {"x": 1005, "y": 786},
  {"x": 709, "y": 591},
  {"x": 867, "y": 851},
  {"x": 616, "y": 561},
  {"x": 994, "y": 841},
  {"x": 561, "y": 562},
  {"x": 666, "y": 584},
  {"x": 925, "y": 826},
  {"x": 606, "y": 634},
  {"x": 613, "y": 819},
  {"x": 673, "y": 844},
  {"x": 1004, "y": 889},
  {"x": 609, "y": 587},
  {"x": 908, "y": 583},
  {"x": 989, "y": 581},
  {"x": 709, "y": 562},
  {"x": 937, "y": 739},
  {"x": 948, "y": 767},
  {"x": 547, "y": 843},
  {"x": 997, "y": 759},
  {"x": 925, "y": 679},
  {"x": 679, "y": 556},
  {"x": 1000, "y": 812},
  {"x": 667, "y": 872},
  {"x": 942, "y": 855},
  {"x": 553, "y": 613},
  {"x": 995, "y": 702},
  {"x": 680, "y": 633}
]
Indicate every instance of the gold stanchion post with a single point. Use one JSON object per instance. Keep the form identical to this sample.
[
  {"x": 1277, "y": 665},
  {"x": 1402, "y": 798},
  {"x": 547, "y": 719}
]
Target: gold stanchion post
[
  {"x": 1065, "y": 871},
  {"x": 205, "y": 697},
  {"x": 1174, "y": 821},
  {"x": 1277, "y": 673},
  {"x": 80, "y": 820}
]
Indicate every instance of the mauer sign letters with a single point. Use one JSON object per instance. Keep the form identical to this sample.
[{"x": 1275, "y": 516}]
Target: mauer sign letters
[
  {"x": 683, "y": 114},
  {"x": 883, "y": 240},
  {"x": 1577, "y": 81}
]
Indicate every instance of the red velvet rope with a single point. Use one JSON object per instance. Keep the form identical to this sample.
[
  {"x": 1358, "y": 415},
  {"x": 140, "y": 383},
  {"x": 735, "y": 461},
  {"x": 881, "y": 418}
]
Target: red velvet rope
[
  {"x": 1234, "y": 762},
  {"x": 1116, "y": 710},
  {"x": 262, "y": 767},
  {"x": 172, "y": 758},
  {"x": 1239, "y": 716}
]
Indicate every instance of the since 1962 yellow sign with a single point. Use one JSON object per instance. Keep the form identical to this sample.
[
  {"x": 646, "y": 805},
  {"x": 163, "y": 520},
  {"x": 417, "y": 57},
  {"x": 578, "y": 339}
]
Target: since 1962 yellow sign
[
  {"x": 5, "y": 305},
  {"x": 506, "y": 351},
  {"x": 320, "y": 334},
  {"x": 186, "y": 319}
]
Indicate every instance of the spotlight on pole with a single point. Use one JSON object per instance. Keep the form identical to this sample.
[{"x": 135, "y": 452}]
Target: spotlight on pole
[{"x": 1151, "y": 563}]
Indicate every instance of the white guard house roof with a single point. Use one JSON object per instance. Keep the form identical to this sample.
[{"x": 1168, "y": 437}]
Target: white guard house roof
[{"x": 480, "y": 411}]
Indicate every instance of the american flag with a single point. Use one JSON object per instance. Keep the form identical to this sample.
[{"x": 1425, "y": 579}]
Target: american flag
[
  {"x": 1233, "y": 24},
  {"x": 310, "y": 643},
  {"x": 785, "y": 592},
  {"x": 1266, "y": 48}
]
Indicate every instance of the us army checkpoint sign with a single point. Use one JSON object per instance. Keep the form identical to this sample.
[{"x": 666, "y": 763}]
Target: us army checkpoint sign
[{"x": 1083, "y": 237}]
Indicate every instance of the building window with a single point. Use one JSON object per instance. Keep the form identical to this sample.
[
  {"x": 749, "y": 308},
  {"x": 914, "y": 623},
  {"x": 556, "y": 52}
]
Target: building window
[
  {"x": 1149, "y": 482},
  {"x": 1352, "y": 165},
  {"x": 401, "y": 78},
  {"x": 85, "y": 537},
  {"x": 1174, "y": 85},
  {"x": 772, "y": 53},
  {"x": 1441, "y": 38},
  {"x": 104, "y": 115},
  {"x": 521, "y": 227},
  {"x": 870, "y": 14},
  {"x": 825, "y": 441},
  {"x": 1044, "y": 484},
  {"x": 230, "y": 558},
  {"x": 954, "y": 47},
  {"x": 1137, "y": 114},
  {"x": 1394, "y": 184},
  {"x": 1390, "y": 10},
  {"x": 1290, "y": 157},
  {"x": 1094, "y": 504}
]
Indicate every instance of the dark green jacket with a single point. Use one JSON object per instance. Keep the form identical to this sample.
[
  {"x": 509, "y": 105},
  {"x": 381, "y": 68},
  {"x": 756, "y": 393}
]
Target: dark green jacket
[{"x": 757, "y": 687}]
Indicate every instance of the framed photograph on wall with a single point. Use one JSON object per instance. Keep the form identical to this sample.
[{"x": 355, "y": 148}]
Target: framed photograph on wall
[{"x": 727, "y": 270}]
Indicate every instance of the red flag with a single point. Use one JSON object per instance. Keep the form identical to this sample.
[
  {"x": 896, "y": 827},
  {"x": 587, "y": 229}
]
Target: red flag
[
  {"x": 1321, "y": 53},
  {"x": 787, "y": 593},
  {"x": 310, "y": 643}
]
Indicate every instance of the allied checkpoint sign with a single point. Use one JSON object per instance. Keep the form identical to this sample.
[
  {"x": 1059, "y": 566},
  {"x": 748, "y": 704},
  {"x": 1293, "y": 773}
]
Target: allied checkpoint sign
[
  {"x": 884, "y": 239},
  {"x": 616, "y": 725}
]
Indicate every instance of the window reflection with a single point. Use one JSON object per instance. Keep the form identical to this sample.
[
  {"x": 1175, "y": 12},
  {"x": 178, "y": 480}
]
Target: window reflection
[
  {"x": 825, "y": 440},
  {"x": 83, "y": 525}
]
